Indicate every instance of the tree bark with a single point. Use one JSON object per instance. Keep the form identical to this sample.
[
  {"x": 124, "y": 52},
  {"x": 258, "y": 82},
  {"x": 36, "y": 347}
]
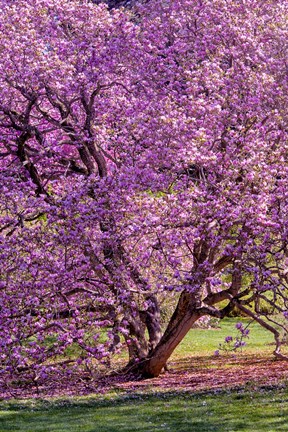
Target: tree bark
[{"x": 185, "y": 315}]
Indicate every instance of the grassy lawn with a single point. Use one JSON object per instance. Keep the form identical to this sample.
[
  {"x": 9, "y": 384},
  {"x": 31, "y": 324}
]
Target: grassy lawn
[
  {"x": 250, "y": 407},
  {"x": 263, "y": 410},
  {"x": 199, "y": 342}
]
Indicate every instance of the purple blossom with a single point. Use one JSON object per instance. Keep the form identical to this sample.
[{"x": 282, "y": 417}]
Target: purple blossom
[{"x": 135, "y": 172}]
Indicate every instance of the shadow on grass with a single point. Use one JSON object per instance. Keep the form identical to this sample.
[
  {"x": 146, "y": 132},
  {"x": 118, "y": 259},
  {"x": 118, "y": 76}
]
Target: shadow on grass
[{"x": 239, "y": 410}]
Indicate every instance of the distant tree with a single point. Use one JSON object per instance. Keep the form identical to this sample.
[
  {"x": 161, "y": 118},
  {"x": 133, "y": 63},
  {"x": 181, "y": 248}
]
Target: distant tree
[{"x": 141, "y": 160}]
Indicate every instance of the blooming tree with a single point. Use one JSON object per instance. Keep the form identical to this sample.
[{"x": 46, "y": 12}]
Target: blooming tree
[{"x": 143, "y": 157}]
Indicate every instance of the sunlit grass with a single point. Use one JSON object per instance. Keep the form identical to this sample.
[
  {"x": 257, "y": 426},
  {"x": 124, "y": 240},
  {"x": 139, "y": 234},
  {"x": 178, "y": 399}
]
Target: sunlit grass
[{"x": 203, "y": 342}]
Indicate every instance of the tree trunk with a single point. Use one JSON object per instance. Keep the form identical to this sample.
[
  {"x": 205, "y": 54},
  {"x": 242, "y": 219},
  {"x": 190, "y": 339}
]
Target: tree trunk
[
  {"x": 136, "y": 341},
  {"x": 183, "y": 318}
]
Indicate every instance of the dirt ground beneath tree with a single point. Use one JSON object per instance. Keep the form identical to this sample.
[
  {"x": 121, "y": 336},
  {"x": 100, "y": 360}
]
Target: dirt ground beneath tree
[
  {"x": 192, "y": 374},
  {"x": 198, "y": 373}
]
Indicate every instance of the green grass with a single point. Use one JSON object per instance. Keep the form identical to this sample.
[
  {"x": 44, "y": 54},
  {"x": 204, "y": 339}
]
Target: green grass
[
  {"x": 200, "y": 342},
  {"x": 244, "y": 409},
  {"x": 264, "y": 410}
]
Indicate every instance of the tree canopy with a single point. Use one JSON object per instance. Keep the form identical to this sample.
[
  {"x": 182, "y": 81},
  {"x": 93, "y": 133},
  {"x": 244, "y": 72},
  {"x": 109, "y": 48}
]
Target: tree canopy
[{"x": 143, "y": 159}]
